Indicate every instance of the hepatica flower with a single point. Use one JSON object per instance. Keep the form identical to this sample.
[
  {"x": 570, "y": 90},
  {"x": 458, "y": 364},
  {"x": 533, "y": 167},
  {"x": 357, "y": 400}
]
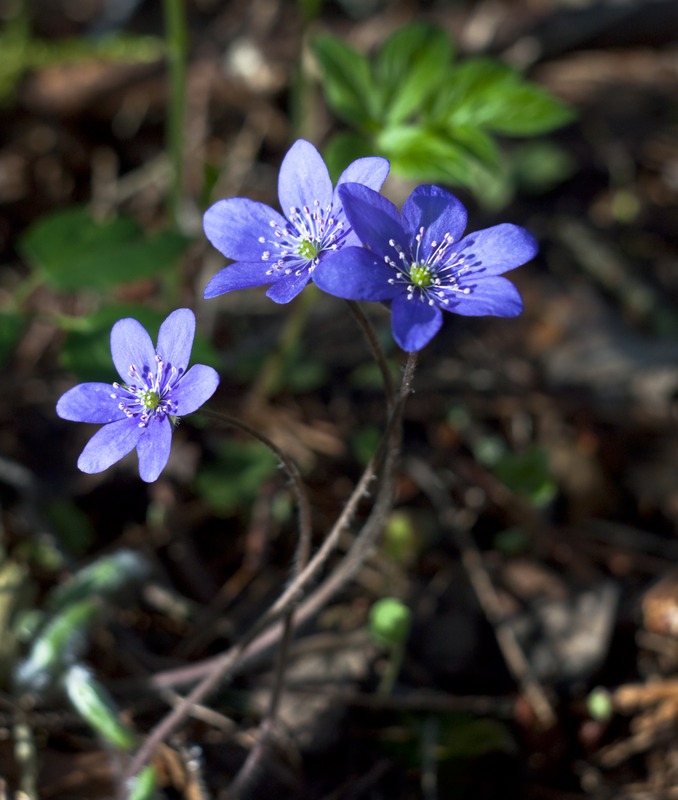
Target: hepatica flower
[
  {"x": 140, "y": 410},
  {"x": 269, "y": 248},
  {"x": 421, "y": 262}
]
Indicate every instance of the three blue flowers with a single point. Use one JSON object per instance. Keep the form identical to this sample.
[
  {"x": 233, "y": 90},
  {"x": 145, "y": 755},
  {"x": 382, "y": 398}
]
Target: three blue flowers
[{"x": 350, "y": 241}]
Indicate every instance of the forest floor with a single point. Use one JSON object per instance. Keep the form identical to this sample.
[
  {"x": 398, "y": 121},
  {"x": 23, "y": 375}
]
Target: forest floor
[{"x": 537, "y": 503}]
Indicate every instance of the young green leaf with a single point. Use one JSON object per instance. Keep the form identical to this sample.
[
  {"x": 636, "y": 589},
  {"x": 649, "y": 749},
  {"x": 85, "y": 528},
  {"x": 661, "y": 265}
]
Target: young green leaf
[
  {"x": 93, "y": 702},
  {"x": 410, "y": 68},
  {"x": 145, "y": 785},
  {"x": 488, "y": 94},
  {"x": 525, "y": 109},
  {"x": 348, "y": 83},
  {"x": 476, "y": 142},
  {"x": 422, "y": 154}
]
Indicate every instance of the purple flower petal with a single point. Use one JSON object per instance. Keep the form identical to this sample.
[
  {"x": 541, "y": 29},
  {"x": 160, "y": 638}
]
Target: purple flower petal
[
  {"x": 153, "y": 448},
  {"x": 371, "y": 171},
  {"x": 175, "y": 338},
  {"x": 435, "y": 210},
  {"x": 241, "y": 275},
  {"x": 374, "y": 219},
  {"x": 414, "y": 323},
  {"x": 195, "y": 388},
  {"x": 288, "y": 287},
  {"x": 355, "y": 274},
  {"x": 492, "y": 296},
  {"x": 500, "y": 248},
  {"x": 303, "y": 178},
  {"x": 234, "y": 227},
  {"x": 109, "y": 444},
  {"x": 131, "y": 346},
  {"x": 89, "y": 402}
]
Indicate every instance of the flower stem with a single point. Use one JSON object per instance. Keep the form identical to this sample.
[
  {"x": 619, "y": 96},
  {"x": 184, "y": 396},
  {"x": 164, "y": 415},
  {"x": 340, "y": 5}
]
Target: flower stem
[
  {"x": 268, "y": 380},
  {"x": 176, "y": 38},
  {"x": 304, "y": 542},
  {"x": 216, "y": 671},
  {"x": 377, "y": 352}
]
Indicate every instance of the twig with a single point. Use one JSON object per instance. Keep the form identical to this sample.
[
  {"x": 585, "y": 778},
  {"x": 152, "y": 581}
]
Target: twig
[
  {"x": 219, "y": 669},
  {"x": 377, "y": 352},
  {"x": 430, "y": 483}
]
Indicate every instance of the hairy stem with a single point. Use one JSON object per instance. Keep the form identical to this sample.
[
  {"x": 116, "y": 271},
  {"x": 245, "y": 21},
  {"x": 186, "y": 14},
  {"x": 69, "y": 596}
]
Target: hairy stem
[
  {"x": 223, "y": 666},
  {"x": 377, "y": 352}
]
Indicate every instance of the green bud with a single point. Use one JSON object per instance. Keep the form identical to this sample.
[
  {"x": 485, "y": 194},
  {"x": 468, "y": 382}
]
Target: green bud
[
  {"x": 389, "y": 622},
  {"x": 599, "y": 704}
]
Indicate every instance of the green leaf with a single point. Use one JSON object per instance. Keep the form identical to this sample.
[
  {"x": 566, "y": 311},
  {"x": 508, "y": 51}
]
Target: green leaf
[
  {"x": 74, "y": 528},
  {"x": 527, "y": 473},
  {"x": 144, "y": 786},
  {"x": 410, "y": 67},
  {"x": 58, "y": 645},
  {"x": 348, "y": 84},
  {"x": 236, "y": 477},
  {"x": 464, "y": 97},
  {"x": 525, "y": 109},
  {"x": 11, "y": 327},
  {"x": 424, "y": 155},
  {"x": 115, "y": 577},
  {"x": 488, "y": 94},
  {"x": 95, "y": 705},
  {"x": 74, "y": 251},
  {"x": 477, "y": 143}
]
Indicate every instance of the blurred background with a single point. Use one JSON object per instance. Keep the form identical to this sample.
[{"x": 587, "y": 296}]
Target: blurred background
[{"x": 542, "y": 449}]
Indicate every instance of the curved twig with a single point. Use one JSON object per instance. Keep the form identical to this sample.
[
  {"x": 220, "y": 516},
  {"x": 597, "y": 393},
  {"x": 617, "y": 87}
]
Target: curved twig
[{"x": 215, "y": 671}]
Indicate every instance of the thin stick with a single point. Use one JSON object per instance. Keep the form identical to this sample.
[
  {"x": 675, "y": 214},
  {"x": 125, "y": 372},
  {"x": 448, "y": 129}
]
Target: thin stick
[
  {"x": 377, "y": 352},
  {"x": 255, "y": 649},
  {"x": 430, "y": 483},
  {"x": 304, "y": 541},
  {"x": 222, "y": 666}
]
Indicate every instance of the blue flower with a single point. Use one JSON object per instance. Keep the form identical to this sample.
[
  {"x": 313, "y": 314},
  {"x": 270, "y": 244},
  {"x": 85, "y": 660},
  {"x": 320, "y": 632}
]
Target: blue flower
[
  {"x": 141, "y": 409},
  {"x": 421, "y": 263},
  {"x": 269, "y": 248}
]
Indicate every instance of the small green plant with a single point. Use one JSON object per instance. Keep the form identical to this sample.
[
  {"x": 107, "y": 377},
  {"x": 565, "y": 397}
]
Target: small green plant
[{"x": 435, "y": 119}]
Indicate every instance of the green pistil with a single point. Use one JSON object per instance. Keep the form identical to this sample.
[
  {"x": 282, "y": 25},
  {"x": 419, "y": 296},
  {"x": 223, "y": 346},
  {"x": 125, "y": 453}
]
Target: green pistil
[
  {"x": 150, "y": 400},
  {"x": 421, "y": 275},
  {"x": 308, "y": 249}
]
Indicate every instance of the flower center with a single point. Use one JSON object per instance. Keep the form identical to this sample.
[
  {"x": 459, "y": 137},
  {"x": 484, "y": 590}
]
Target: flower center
[
  {"x": 149, "y": 399},
  {"x": 421, "y": 275},
  {"x": 149, "y": 394},
  {"x": 432, "y": 272},
  {"x": 296, "y": 247},
  {"x": 308, "y": 249}
]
